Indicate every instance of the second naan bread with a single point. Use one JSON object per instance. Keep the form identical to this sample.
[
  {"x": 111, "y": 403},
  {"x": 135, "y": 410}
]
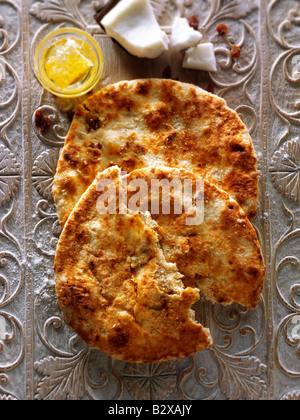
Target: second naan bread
[{"x": 153, "y": 122}]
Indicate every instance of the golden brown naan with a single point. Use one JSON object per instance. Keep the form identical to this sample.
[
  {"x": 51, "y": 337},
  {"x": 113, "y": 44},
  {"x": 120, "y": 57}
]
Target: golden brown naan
[
  {"x": 120, "y": 278},
  {"x": 135, "y": 124},
  {"x": 222, "y": 255},
  {"x": 118, "y": 292}
]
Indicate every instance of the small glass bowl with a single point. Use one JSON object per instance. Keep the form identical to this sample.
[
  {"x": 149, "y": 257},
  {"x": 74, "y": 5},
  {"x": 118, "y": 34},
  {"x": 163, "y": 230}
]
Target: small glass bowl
[{"x": 89, "y": 81}]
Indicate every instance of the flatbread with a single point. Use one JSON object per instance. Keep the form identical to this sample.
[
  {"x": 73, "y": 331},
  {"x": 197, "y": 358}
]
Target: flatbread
[
  {"x": 143, "y": 123},
  {"x": 116, "y": 289},
  {"x": 119, "y": 282},
  {"x": 221, "y": 256}
]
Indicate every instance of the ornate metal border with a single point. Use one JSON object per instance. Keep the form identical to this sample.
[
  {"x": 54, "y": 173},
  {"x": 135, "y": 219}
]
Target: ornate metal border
[{"x": 256, "y": 353}]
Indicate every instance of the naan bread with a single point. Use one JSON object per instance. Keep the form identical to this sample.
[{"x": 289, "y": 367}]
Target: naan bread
[
  {"x": 155, "y": 122},
  {"x": 117, "y": 290},
  {"x": 222, "y": 255},
  {"x": 126, "y": 282}
]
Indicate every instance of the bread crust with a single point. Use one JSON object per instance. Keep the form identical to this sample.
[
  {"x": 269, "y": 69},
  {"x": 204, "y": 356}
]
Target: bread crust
[
  {"x": 122, "y": 280},
  {"x": 150, "y": 122}
]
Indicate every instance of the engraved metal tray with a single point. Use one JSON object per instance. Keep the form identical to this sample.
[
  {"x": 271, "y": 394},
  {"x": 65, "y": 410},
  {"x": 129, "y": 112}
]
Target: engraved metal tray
[{"x": 256, "y": 354}]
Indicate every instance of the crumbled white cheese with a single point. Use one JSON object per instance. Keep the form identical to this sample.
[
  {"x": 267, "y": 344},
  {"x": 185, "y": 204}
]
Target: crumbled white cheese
[
  {"x": 183, "y": 36},
  {"x": 133, "y": 24},
  {"x": 201, "y": 57}
]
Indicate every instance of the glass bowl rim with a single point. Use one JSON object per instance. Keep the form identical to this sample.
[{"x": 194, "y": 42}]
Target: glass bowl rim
[{"x": 59, "y": 33}]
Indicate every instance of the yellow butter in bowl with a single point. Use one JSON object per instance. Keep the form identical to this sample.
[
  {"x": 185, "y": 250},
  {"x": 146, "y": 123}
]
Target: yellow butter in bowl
[{"x": 68, "y": 62}]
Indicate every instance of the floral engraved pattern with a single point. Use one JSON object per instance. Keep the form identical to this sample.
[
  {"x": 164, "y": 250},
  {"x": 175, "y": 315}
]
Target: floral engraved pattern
[
  {"x": 53, "y": 136},
  {"x": 68, "y": 10},
  {"x": 8, "y": 40},
  {"x": 226, "y": 9},
  {"x": 291, "y": 396},
  {"x": 150, "y": 382},
  {"x": 61, "y": 377},
  {"x": 284, "y": 27},
  {"x": 68, "y": 377},
  {"x": 9, "y": 175},
  {"x": 47, "y": 231},
  {"x": 285, "y": 169},
  {"x": 240, "y": 377},
  {"x": 44, "y": 169},
  {"x": 58, "y": 11},
  {"x": 244, "y": 70},
  {"x": 9, "y": 79},
  {"x": 5, "y": 395}
]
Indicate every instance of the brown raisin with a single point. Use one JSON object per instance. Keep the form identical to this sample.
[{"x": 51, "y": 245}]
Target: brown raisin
[
  {"x": 235, "y": 52},
  {"x": 211, "y": 88},
  {"x": 222, "y": 29},
  {"x": 43, "y": 123},
  {"x": 194, "y": 22}
]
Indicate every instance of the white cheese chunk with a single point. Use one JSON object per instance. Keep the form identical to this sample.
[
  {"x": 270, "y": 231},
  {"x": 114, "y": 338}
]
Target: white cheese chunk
[
  {"x": 201, "y": 57},
  {"x": 183, "y": 36},
  {"x": 133, "y": 24}
]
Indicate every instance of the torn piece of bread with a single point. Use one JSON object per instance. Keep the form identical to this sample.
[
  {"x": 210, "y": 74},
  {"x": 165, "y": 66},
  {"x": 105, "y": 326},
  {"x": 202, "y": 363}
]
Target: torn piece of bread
[
  {"x": 126, "y": 281},
  {"x": 220, "y": 255},
  {"x": 116, "y": 289}
]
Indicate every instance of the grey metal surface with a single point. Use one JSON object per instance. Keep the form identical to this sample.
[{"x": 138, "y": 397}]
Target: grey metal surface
[{"x": 256, "y": 354}]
